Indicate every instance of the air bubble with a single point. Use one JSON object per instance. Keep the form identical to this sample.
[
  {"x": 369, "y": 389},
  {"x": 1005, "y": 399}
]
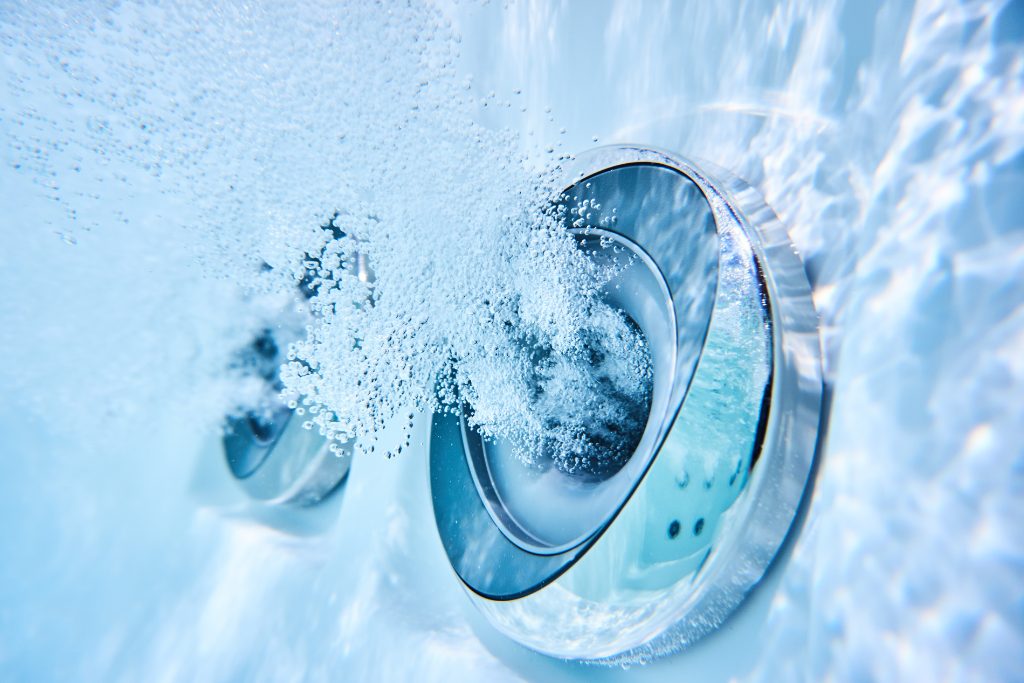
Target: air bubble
[{"x": 291, "y": 200}]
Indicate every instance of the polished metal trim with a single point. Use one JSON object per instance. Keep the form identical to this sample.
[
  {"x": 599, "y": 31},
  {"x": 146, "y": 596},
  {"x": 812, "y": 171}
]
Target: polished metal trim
[
  {"x": 296, "y": 466},
  {"x": 564, "y": 615}
]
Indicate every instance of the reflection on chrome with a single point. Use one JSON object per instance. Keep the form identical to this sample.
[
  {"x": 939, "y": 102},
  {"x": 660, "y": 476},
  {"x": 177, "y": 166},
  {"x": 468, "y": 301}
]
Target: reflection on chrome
[
  {"x": 657, "y": 553},
  {"x": 269, "y": 451},
  {"x": 277, "y": 461}
]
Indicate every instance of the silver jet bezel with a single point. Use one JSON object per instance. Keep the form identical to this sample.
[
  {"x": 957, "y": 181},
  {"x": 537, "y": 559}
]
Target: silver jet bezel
[{"x": 555, "y": 616}]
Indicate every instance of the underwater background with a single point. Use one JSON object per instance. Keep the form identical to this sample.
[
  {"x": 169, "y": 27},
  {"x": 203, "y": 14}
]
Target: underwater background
[{"x": 155, "y": 155}]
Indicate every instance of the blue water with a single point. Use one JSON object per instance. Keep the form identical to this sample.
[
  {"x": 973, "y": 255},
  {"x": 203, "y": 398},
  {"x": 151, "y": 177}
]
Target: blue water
[{"x": 887, "y": 136}]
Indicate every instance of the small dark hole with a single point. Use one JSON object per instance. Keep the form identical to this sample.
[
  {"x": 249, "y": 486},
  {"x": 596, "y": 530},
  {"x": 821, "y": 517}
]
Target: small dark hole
[
  {"x": 698, "y": 527},
  {"x": 262, "y": 429},
  {"x": 265, "y": 345},
  {"x": 673, "y": 528}
]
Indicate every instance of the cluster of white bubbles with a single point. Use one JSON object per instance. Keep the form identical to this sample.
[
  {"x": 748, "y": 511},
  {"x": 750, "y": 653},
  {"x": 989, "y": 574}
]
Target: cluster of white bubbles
[
  {"x": 486, "y": 305},
  {"x": 332, "y": 154}
]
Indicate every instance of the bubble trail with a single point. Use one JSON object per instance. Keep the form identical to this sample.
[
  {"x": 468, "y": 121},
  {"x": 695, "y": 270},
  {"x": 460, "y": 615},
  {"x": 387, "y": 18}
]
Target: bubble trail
[{"x": 334, "y": 147}]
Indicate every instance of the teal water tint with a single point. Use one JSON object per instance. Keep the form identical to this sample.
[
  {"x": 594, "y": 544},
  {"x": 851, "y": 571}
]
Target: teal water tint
[
  {"x": 710, "y": 450},
  {"x": 886, "y": 135}
]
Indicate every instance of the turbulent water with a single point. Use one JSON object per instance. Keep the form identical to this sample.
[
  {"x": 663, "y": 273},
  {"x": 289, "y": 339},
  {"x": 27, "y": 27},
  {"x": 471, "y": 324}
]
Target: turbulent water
[
  {"x": 165, "y": 175},
  {"x": 307, "y": 143}
]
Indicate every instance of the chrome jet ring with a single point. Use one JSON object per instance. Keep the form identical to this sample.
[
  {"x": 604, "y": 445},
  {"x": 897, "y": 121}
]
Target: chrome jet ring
[{"x": 655, "y": 555}]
